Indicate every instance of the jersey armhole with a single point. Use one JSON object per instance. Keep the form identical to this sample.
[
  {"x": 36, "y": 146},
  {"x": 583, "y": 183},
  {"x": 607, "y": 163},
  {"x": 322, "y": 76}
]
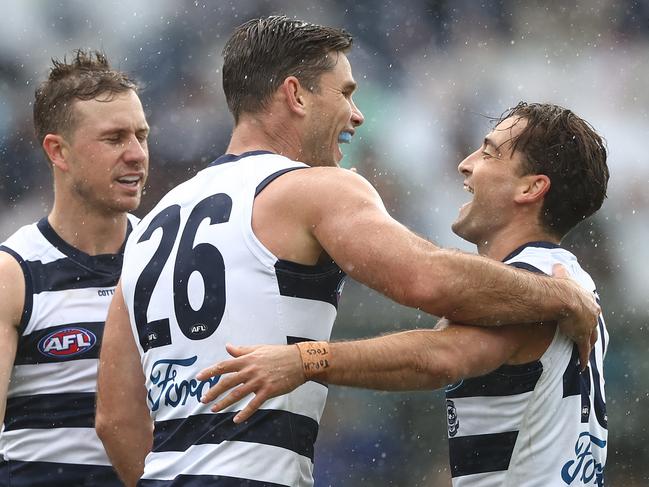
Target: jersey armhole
[
  {"x": 29, "y": 289},
  {"x": 269, "y": 179}
]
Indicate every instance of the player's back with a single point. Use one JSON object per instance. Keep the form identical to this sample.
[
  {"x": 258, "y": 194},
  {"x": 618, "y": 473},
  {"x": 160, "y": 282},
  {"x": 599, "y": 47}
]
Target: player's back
[
  {"x": 540, "y": 424},
  {"x": 195, "y": 278}
]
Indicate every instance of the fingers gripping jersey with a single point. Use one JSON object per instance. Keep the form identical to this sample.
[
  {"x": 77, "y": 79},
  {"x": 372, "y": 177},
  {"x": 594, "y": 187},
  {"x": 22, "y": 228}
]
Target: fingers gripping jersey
[
  {"x": 541, "y": 424},
  {"x": 49, "y": 436},
  {"x": 195, "y": 278}
]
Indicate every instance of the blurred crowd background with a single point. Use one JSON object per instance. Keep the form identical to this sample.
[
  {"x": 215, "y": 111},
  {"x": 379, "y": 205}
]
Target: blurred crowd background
[{"x": 430, "y": 75}]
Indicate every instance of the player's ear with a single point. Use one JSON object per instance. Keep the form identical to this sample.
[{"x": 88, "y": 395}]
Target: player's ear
[
  {"x": 56, "y": 148},
  {"x": 533, "y": 188},
  {"x": 294, "y": 94}
]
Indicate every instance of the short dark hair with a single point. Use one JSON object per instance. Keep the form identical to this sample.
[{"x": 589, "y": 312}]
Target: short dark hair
[
  {"x": 567, "y": 149},
  {"x": 263, "y": 52},
  {"x": 86, "y": 77}
]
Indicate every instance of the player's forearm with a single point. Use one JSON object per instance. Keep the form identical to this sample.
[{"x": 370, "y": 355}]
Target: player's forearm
[
  {"x": 400, "y": 361},
  {"x": 127, "y": 444},
  {"x": 472, "y": 289}
]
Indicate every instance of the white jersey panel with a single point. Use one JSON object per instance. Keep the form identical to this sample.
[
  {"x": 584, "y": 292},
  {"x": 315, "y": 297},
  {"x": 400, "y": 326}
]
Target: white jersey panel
[
  {"x": 184, "y": 309},
  {"x": 541, "y": 424}
]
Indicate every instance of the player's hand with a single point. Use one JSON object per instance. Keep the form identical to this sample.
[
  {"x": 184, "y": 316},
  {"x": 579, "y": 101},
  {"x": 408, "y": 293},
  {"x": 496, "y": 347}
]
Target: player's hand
[
  {"x": 266, "y": 371},
  {"x": 581, "y": 324}
]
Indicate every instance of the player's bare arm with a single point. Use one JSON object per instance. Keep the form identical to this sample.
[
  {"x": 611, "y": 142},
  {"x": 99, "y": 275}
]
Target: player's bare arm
[
  {"x": 411, "y": 360},
  {"x": 12, "y": 293},
  {"x": 340, "y": 212},
  {"x": 123, "y": 422}
]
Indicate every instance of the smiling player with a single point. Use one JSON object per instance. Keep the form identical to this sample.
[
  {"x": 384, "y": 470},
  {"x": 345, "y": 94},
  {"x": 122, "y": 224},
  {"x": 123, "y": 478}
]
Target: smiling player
[
  {"x": 519, "y": 411},
  {"x": 57, "y": 275}
]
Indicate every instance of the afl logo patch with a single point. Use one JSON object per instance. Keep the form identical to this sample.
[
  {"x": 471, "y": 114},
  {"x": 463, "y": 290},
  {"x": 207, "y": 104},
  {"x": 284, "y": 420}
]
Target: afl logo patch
[{"x": 67, "y": 342}]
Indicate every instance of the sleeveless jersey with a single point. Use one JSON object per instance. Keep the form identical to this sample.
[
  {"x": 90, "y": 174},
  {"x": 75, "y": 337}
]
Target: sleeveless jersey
[
  {"x": 195, "y": 278},
  {"x": 49, "y": 437},
  {"x": 541, "y": 424}
]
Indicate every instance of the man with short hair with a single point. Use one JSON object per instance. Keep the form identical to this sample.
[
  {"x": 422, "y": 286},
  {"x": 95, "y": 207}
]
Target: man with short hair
[
  {"x": 256, "y": 246},
  {"x": 519, "y": 411},
  {"x": 57, "y": 276}
]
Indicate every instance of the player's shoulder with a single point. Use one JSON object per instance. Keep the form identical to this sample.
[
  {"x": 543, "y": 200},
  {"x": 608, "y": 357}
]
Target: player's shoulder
[
  {"x": 541, "y": 257},
  {"x": 329, "y": 181}
]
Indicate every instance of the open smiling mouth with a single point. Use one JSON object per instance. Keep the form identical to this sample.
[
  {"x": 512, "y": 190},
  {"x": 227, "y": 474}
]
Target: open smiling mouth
[{"x": 344, "y": 138}]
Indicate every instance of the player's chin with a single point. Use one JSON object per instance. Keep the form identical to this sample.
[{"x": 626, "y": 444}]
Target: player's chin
[{"x": 127, "y": 204}]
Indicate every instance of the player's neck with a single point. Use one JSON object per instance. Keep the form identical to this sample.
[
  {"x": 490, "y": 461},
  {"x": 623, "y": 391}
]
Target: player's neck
[
  {"x": 87, "y": 230},
  {"x": 264, "y": 133},
  {"x": 508, "y": 239}
]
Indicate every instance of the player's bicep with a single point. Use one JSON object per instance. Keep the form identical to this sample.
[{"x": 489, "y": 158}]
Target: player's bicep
[
  {"x": 12, "y": 297},
  {"x": 355, "y": 229}
]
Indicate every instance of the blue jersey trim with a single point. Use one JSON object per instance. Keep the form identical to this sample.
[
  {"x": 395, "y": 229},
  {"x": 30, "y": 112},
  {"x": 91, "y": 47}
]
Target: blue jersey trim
[
  {"x": 47, "y": 411},
  {"x": 539, "y": 244},
  {"x": 287, "y": 430},
  {"x": 261, "y": 186},
  {"x": 225, "y": 158}
]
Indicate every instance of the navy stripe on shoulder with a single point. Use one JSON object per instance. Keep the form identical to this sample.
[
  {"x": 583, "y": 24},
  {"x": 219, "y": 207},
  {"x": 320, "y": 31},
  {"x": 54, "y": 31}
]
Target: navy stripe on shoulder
[
  {"x": 294, "y": 432},
  {"x": 46, "y": 411},
  {"x": 225, "y": 158},
  {"x": 51, "y": 474},
  {"x": 319, "y": 282},
  {"x": 29, "y": 288},
  {"x": 481, "y": 453},
  {"x": 273, "y": 177},
  {"x": 507, "y": 380},
  {"x": 527, "y": 267},
  {"x": 203, "y": 480},
  {"x": 62, "y": 343}
]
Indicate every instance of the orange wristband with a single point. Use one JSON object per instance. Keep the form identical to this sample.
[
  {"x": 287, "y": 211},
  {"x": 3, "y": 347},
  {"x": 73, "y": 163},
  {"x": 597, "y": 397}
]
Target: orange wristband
[{"x": 316, "y": 357}]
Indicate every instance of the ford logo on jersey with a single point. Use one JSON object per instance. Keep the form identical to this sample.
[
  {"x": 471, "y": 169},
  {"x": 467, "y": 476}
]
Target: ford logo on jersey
[
  {"x": 585, "y": 468},
  {"x": 67, "y": 342}
]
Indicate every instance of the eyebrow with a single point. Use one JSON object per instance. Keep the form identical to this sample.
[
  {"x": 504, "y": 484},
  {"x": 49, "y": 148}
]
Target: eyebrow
[
  {"x": 489, "y": 142},
  {"x": 351, "y": 86}
]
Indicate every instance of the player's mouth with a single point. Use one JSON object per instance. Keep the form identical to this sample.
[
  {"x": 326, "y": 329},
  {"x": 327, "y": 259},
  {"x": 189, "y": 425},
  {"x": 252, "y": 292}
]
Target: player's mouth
[
  {"x": 345, "y": 137},
  {"x": 131, "y": 181},
  {"x": 470, "y": 190}
]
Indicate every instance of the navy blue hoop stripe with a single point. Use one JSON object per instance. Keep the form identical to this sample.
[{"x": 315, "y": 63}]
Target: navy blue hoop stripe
[
  {"x": 481, "y": 453},
  {"x": 47, "y": 411},
  {"x": 294, "y": 432},
  {"x": 319, "y": 283},
  {"x": 65, "y": 274},
  {"x": 50, "y": 474},
  {"x": 507, "y": 380},
  {"x": 205, "y": 480}
]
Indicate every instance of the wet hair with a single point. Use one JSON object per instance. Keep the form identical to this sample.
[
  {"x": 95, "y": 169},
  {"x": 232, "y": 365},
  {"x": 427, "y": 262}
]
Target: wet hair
[
  {"x": 567, "y": 149},
  {"x": 263, "y": 52},
  {"x": 86, "y": 77}
]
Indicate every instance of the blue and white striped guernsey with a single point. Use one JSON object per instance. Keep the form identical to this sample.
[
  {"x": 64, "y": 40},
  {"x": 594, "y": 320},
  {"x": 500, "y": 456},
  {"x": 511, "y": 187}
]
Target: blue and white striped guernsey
[
  {"x": 195, "y": 278},
  {"x": 541, "y": 424},
  {"x": 49, "y": 437}
]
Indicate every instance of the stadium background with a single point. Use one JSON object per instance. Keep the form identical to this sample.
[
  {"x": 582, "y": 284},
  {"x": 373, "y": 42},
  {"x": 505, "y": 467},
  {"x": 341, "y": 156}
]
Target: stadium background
[{"x": 428, "y": 72}]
